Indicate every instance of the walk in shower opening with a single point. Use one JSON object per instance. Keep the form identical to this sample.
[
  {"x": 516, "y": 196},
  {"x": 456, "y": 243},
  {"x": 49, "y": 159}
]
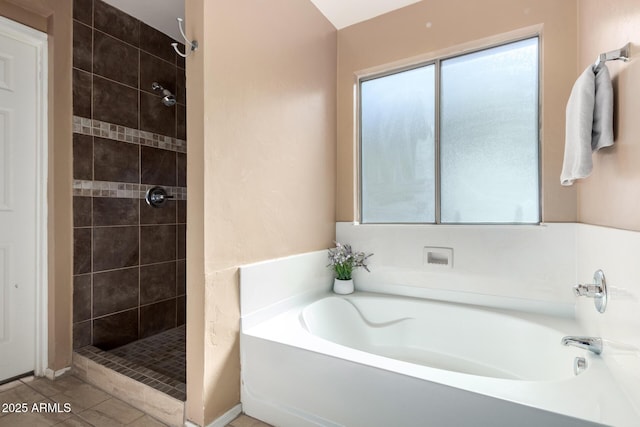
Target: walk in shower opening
[{"x": 129, "y": 135}]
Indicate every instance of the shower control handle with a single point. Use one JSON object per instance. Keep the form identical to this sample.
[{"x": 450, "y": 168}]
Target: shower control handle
[
  {"x": 597, "y": 290},
  {"x": 592, "y": 291},
  {"x": 156, "y": 197}
]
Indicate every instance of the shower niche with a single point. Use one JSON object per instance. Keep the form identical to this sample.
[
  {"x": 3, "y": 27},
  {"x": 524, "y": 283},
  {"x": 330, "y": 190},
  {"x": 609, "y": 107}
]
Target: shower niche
[{"x": 129, "y": 135}]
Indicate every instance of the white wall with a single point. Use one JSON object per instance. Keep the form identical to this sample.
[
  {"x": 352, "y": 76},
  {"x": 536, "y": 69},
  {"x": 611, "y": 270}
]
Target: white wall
[
  {"x": 617, "y": 253},
  {"x": 268, "y": 287},
  {"x": 519, "y": 267}
]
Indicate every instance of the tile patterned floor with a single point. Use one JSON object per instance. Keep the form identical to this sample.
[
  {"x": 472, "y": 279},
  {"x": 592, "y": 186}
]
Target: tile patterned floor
[
  {"x": 164, "y": 353},
  {"x": 247, "y": 421},
  {"x": 70, "y": 402},
  {"x": 158, "y": 361}
]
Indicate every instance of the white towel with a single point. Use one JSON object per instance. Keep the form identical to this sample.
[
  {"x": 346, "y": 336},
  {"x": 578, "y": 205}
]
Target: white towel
[{"x": 589, "y": 124}]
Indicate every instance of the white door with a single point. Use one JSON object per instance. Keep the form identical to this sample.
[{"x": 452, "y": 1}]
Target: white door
[{"x": 20, "y": 158}]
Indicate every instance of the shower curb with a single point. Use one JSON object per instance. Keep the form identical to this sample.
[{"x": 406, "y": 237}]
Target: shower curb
[{"x": 153, "y": 402}]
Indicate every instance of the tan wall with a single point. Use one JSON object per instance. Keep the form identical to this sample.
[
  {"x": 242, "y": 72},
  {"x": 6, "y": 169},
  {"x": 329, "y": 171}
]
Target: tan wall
[
  {"x": 402, "y": 34},
  {"x": 55, "y": 17},
  {"x": 611, "y": 195},
  {"x": 261, "y": 167}
]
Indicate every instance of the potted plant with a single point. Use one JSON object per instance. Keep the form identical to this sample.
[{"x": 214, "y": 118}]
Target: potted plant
[{"x": 343, "y": 260}]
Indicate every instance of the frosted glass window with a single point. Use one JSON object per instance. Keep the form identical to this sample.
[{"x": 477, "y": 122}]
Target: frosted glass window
[
  {"x": 489, "y": 136},
  {"x": 486, "y": 136},
  {"x": 397, "y": 118}
]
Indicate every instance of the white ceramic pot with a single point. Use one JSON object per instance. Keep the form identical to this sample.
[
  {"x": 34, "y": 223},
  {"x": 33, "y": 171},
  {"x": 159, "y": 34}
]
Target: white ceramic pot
[{"x": 343, "y": 287}]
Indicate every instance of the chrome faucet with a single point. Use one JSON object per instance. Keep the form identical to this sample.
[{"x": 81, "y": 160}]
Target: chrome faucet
[
  {"x": 597, "y": 291},
  {"x": 593, "y": 344}
]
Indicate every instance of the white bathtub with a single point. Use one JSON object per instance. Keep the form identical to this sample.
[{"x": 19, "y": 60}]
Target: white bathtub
[{"x": 375, "y": 360}]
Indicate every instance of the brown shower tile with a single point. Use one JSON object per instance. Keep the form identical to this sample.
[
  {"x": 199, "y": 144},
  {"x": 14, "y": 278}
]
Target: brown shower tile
[
  {"x": 112, "y": 211},
  {"x": 181, "y": 122},
  {"x": 115, "y": 290},
  {"x": 182, "y": 170},
  {"x": 115, "y": 59},
  {"x": 181, "y": 87},
  {"x": 157, "y": 282},
  {"x": 81, "y": 93},
  {"x": 157, "y": 166},
  {"x": 115, "y": 22},
  {"x": 156, "y": 318},
  {"x": 182, "y": 211},
  {"x": 153, "y": 69},
  {"x": 180, "y": 61},
  {"x": 156, "y": 43},
  {"x": 82, "y": 156},
  {"x": 81, "y": 250},
  {"x": 81, "y": 211},
  {"x": 81, "y": 297},
  {"x": 181, "y": 310},
  {"x": 182, "y": 241},
  {"x": 83, "y": 11},
  {"x": 163, "y": 215},
  {"x": 82, "y": 46},
  {"x": 115, "y": 247},
  {"x": 157, "y": 243},
  {"x": 115, "y": 161},
  {"x": 81, "y": 334},
  {"x": 115, "y": 103},
  {"x": 115, "y": 330},
  {"x": 155, "y": 116},
  {"x": 181, "y": 277}
]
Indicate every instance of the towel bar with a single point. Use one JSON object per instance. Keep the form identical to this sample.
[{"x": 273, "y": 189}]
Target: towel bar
[{"x": 622, "y": 54}]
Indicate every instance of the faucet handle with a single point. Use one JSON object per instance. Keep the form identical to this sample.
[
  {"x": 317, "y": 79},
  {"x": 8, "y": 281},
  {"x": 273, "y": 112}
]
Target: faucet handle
[
  {"x": 597, "y": 291},
  {"x": 588, "y": 290},
  {"x": 156, "y": 197}
]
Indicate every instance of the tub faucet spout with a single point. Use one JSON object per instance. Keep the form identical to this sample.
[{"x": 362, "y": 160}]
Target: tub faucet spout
[{"x": 593, "y": 344}]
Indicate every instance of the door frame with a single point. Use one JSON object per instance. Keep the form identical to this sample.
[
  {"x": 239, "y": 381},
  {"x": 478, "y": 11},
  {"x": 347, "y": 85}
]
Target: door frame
[{"x": 39, "y": 41}]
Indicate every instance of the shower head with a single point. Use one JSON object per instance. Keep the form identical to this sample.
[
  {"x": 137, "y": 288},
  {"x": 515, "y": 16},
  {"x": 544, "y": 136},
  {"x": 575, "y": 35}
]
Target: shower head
[{"x": 168, "y": 98}]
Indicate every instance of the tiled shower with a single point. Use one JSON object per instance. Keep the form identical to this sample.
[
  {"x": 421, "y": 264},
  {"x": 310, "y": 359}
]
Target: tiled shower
[{"x": 129, "y": 258}]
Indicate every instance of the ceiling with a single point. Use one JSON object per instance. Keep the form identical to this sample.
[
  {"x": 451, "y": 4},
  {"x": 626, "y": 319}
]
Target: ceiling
[
  {"x": 343, "y": 13},
  {"x": 162, "y": 14},
  {"x": 159, "y": 14}
]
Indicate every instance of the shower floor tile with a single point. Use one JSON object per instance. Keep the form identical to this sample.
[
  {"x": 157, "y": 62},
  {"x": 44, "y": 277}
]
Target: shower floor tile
[
  {"x": 165, "y": 353},
  {"x": 158, "y": 361}
]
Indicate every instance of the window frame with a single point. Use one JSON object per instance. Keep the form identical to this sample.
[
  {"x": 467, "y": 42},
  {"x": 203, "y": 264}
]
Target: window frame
[{"x": 437, "y": 62}]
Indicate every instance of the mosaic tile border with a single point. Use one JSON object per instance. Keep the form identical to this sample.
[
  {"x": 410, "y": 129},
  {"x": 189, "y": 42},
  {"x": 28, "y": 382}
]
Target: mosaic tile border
[
  {"x": 85, "y": 126},
  {"x": 139, "y": 373},
  {"x": 121, "y": 190}
]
